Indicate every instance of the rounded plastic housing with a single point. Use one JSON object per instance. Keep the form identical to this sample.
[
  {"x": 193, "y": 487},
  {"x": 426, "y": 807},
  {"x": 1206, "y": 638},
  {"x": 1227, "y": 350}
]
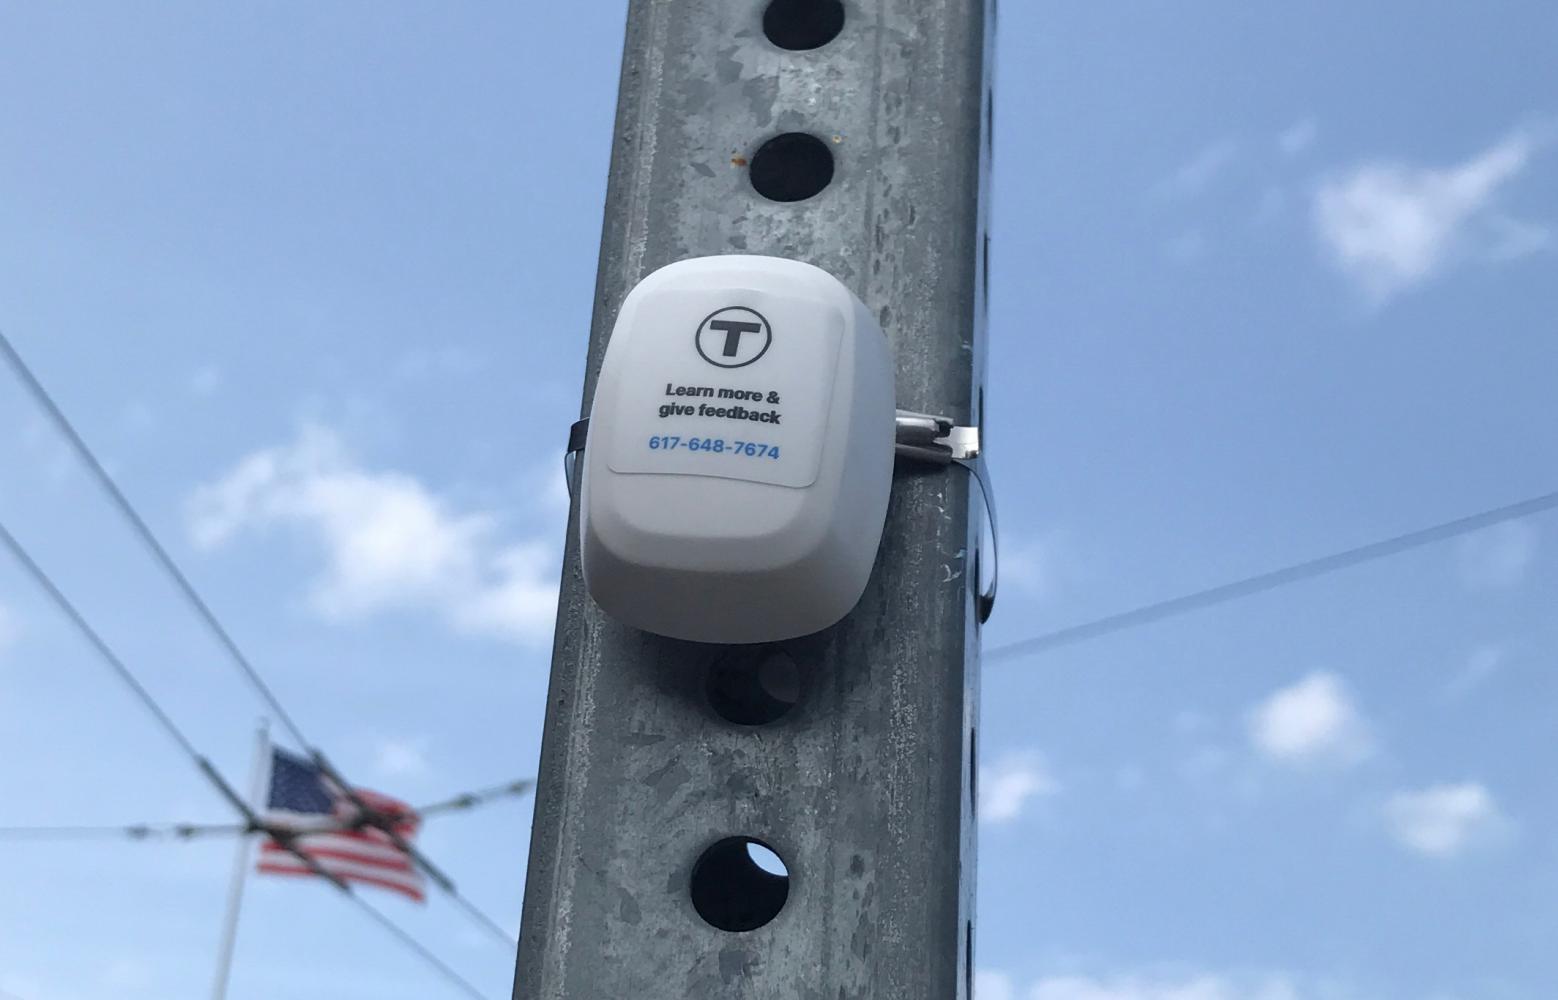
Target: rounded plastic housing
[{"x": 740, "y": 452}]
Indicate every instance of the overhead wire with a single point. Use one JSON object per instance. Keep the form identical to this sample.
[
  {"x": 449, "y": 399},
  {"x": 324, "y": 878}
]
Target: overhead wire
[
  {"x": 100, "y": 474},
  {"x": 1096, "y": 628},
  {"x": 371, "y": 816},
  {"x": 191, "y": 831},
  {"x": 252, "y": 822},
  {"x": 470, "y": 800},
  {"x": 143, "y": 697},
  {"x": 427, "y": 954},
  {"x": 128, "y": 831},
  {"x": 1270, "y": 580}
]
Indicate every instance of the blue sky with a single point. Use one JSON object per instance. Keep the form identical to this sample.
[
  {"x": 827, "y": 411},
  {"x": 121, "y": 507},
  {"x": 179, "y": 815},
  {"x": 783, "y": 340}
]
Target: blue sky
[{"x": 1268, "y": 282}]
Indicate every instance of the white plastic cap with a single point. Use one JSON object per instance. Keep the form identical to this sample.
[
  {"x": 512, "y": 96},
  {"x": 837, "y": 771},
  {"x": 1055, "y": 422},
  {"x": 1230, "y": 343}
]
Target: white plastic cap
[{"x": 740, "y": 452}]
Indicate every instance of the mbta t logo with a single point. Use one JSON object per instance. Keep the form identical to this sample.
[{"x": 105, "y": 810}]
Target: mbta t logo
[{"x": 734, "y": 337}]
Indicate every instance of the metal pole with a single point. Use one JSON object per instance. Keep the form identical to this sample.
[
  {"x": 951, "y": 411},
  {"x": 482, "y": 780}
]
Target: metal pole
[
  {"x": 258, "y": 770},
  {"x": 849, "y": 753}
]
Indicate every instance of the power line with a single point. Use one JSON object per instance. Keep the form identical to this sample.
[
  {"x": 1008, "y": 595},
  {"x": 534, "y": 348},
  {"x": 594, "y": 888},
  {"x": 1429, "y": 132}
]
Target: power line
[
  {"x": 104, "y": 480},
  {"x": 192, "y": 831},
  {"x": 165, "y": 722},
  {"x": 129, "y": 831},
  {"x": 471, "y": 800},
  {"x": 143, "y": 697},
  {"x": 1271, "y": 580},
  {"x": 421, "y": 949},
  {"x": 186, "y": 589}
]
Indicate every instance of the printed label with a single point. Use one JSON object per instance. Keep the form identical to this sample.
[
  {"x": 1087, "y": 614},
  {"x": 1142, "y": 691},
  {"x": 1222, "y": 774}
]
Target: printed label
[{"x": 741, "y": 391}]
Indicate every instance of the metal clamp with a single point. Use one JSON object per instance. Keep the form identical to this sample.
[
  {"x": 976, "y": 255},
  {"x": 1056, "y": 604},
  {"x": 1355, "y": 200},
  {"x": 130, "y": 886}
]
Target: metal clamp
[
  {"x": 578, "y": 434},
  {"x": 926, "y": 437},
  {"x": 920, "y": 437}
]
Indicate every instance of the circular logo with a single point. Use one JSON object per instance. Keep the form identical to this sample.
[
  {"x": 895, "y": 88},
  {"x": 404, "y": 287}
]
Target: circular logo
[{"x": 734, "y": 337}]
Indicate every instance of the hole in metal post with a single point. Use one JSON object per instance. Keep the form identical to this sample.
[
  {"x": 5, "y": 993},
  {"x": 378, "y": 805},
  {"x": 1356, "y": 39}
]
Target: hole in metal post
[
  {"x": 739, "y": 884},
  {"x": 754, "y": 686},
  {"x": 803, "y": 24},
  {"x": 791, "y": 167}
]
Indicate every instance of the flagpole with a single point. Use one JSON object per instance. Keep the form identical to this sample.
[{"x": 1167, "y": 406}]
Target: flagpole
[{"x": 257, "y": 774}]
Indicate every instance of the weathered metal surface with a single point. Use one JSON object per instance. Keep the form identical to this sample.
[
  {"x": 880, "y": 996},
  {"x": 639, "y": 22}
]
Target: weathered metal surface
[{"x": 865, "y": 787}]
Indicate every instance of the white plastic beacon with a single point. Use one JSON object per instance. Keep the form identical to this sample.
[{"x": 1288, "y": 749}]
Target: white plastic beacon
[{"x": 740, "y": 452}]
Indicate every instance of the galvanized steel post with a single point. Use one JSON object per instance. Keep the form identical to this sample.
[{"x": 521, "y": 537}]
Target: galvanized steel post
[{"x": 851, "y": 754}]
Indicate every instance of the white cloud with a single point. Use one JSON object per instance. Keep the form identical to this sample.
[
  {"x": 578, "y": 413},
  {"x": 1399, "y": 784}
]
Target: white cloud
[
  {"x": 1390, "y": 226},
  {"x": 389, "y": 542},
  {"x": 1496, "y": 558},
  {"x": 1195, "y": 175},
  {"x": 402, "y": 758},
  {"x": 1194, "y": 986},
  {"x": 1006, "y": 787},
  {"x": 1298, "y": 137},
  {"x": 1311, "y": 722},
  {"x": 1444, "y": 820},
  {"x": 993, "y": 986},
  {"x": 521, "y": 601}
]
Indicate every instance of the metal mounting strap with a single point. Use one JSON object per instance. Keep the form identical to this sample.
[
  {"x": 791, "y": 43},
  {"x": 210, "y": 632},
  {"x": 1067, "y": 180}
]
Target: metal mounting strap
[
  {"x": 578, "y": 434},
  {"x": 923, "y": 437},
  {"x": 920, "y": 437},
  {"x": 926, "y": 437}
]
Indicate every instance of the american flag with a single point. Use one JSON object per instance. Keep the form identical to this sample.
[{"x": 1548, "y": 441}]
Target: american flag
[{"x": 303, "y": 799}]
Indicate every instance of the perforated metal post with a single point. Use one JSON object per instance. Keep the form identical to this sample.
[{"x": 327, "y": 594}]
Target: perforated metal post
[{"x": 849, "y": 753}]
